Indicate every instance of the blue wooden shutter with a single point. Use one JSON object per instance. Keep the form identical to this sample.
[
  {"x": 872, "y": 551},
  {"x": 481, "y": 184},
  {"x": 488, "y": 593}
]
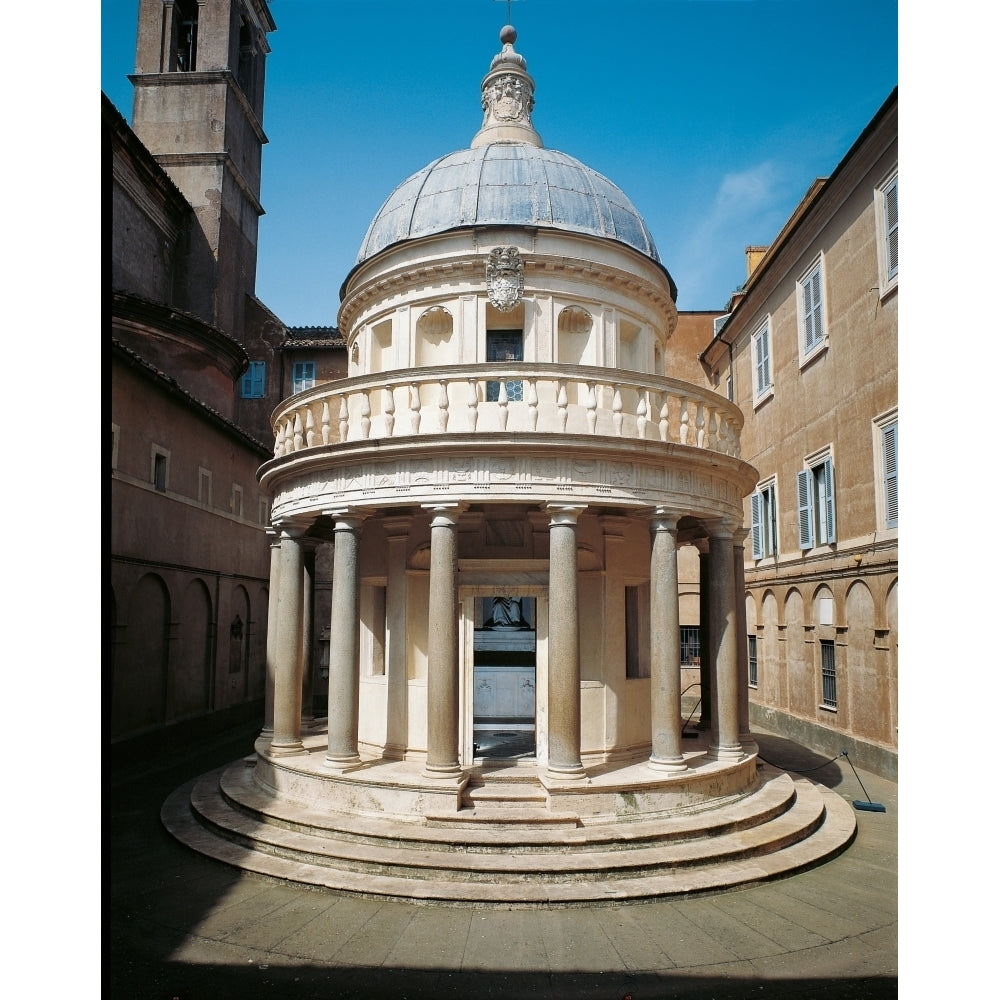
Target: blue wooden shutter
[
  {"x": 892, "y": 229},
  {"x": 889, "y": 438},
  {"x": 756, "y": 525},
  {"x": 827, "y": 506},
  {"x": 803, "y": 490},
  {"x": 252, "y": 383}
]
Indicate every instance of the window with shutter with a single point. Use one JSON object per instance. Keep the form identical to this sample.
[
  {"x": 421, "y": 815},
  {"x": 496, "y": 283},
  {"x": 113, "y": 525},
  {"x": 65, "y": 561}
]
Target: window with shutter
[
  {"x": 756, "y": 527},
  {"x": 804, "y": 493},
  {"x": 891, "y": 203},
  {"x": 889, "y": 472},
  {"x": 817, "y": 507},
  {"x": 763, "y": 521},
  {"x": 303, "y": 375},
  {"x": 253, "y": 383},
  {"x": 812, "y": 330},
  {"x": 761, "y": 341}
]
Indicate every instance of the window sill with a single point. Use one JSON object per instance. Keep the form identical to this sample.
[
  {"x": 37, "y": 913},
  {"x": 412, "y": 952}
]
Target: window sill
[
  {"x": 889, "y": 289},
  {"x": 763, "y": 397},
  {"x": 832, "y": 709},
  {"x": 805, "y": 360}
]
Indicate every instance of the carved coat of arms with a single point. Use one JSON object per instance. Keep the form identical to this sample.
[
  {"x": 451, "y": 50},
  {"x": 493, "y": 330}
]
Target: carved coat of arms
[{"x": 504, "y": 278}]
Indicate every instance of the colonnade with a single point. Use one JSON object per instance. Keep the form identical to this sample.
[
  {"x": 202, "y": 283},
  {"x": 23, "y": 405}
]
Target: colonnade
[{"x": 728, "y": 708}]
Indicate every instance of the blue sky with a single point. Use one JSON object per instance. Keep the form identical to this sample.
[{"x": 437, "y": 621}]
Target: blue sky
[{"x": 713, "y": 116}]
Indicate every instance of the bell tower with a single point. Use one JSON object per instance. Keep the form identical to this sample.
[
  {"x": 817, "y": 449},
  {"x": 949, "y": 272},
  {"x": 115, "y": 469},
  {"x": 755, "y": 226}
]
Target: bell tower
[{"x": 198, "y": 108}]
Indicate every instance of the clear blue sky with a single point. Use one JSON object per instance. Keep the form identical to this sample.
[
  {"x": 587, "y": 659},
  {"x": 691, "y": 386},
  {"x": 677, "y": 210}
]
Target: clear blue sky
[{"x": 713, "y": 116}]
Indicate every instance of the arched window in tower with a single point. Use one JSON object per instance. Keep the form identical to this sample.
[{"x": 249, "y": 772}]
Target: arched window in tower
[{"x": 185, "y": 31}]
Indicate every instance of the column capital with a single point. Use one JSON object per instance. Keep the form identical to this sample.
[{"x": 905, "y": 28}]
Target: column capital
[
  {"x": 722, "y": 527},
  {"x": 288, "y": 527},
  {"x": 444, "y": 514},
  {"x": 740, "y": 536},
  {"x": 664, "y": 519},
  {"x": 564, "y": 513},
  {"x": 347, "y": 518}
]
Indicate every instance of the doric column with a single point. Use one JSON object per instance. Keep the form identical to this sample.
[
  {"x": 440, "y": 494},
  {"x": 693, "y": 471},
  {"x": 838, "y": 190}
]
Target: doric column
[
  {"x": 746, "y": 737},
  {"x": 345, "y": 670},
  {"x": 665, "y": 645},
  {"x": 397, "y": 531},
  {"x": 287, "y": 737},
  {"x": 725, "y": 742},
  {"x": 705, "y": 634},
  {"x": 564, "y": 644},
  {"x": 308, "y": 611},
  {"x": 270, "y": 654},
  {"x": 442, "y": 646}
]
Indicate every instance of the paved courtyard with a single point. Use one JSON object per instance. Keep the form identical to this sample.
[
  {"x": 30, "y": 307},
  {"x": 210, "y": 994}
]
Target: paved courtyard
[{"x": 179, "y": 925}]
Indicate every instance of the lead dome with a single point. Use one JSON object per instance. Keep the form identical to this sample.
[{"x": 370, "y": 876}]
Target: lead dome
[{"x": 507, "y": 178}]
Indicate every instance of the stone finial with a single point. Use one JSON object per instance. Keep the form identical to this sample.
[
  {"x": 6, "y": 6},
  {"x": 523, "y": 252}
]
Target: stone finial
[{"x": 508, "y": 97}]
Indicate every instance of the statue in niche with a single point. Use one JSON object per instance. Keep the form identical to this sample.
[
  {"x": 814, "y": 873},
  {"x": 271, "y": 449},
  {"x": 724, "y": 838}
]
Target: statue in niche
[{"x": 506, "y": 614}]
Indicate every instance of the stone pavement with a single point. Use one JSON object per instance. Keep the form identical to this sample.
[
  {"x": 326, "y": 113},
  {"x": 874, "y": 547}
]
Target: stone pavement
[{"x": 178, "y": 925}]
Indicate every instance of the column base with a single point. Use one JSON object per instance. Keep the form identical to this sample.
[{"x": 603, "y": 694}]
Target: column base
[
  {"x": 673, "y": 764},
  {"x": 343, "y": 764},
  {"x": 727, "y": 752},
  {"x": 572, "y": 772},
  {"x": 290, "y": 749},
  {"x": 444, "y": 771}
]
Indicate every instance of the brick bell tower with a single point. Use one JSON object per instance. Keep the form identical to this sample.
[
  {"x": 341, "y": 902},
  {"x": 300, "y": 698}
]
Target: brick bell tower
[{"x": 198, "y": 108}]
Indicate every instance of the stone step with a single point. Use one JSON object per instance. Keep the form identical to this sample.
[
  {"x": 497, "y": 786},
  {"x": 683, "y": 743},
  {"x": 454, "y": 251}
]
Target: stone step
[
  {"x": 452, "y": 830},
  {"x": 400, "y": 856},
  {"x": 523, "y": 794},
  {"x": 503, "y": 816},
  {"x": 833, "y": 833}
]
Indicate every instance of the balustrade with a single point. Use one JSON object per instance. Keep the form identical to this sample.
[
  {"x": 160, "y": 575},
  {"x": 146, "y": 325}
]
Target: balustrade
[{"x": 553, "y": 399}]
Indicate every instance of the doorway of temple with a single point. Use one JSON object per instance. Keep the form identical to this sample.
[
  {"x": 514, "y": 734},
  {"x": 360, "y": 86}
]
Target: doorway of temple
[{"x": 504, "y": 681}]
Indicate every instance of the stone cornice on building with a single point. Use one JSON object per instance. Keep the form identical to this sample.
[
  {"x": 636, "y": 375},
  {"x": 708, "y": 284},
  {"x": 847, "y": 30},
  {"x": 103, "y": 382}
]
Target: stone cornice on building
[
  {"x": 169, "y": 385},
  {"x": 537, "y": 468},
  {"x": 212, "y": 158},
  {"x": 150, "y": 178},
  {"x": 175, "y": 79},
  {"x": 146, "y": 318},
  {"x": 468, "y": 271}
]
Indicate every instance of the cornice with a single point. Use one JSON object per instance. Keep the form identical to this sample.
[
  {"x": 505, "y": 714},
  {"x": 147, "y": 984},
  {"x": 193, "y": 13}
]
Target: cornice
[
  {"x": 172, "y": 388},
  {"x": 470, "y": 269}
]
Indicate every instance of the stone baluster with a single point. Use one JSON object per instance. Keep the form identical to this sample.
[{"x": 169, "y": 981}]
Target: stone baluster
[
  {"x": 443, "y": 406},
  {"x": 640, "y": 414},
  {"x": 532, "y": 405},
  {"x": 713, "y": 429},
  {"x": 616, "y": 410},
  {"x": 297, "y": 432},
  {"x": 473, "y": 404},
  {"x": 390, "y": 410},
  {"x": 665, "y": 418},
  {"x": 310, "y": 428},
  {"x": 561, "y": 405},
  {"x": 414, "y": 408},
  {"x": 699, "y": 423},
  {"x": 366, "y": 414},
  {"x": 326, "y": 430},
  {"x": 502, "y": 402},
  {"x": 344, "y": 417},
  {"x": 591, "y": 408},
  {"x": 683, "y": 421}
]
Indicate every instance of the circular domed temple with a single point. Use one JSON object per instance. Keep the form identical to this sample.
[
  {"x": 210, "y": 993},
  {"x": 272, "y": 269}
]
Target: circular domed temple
[{"x": 508, "y": 474}]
